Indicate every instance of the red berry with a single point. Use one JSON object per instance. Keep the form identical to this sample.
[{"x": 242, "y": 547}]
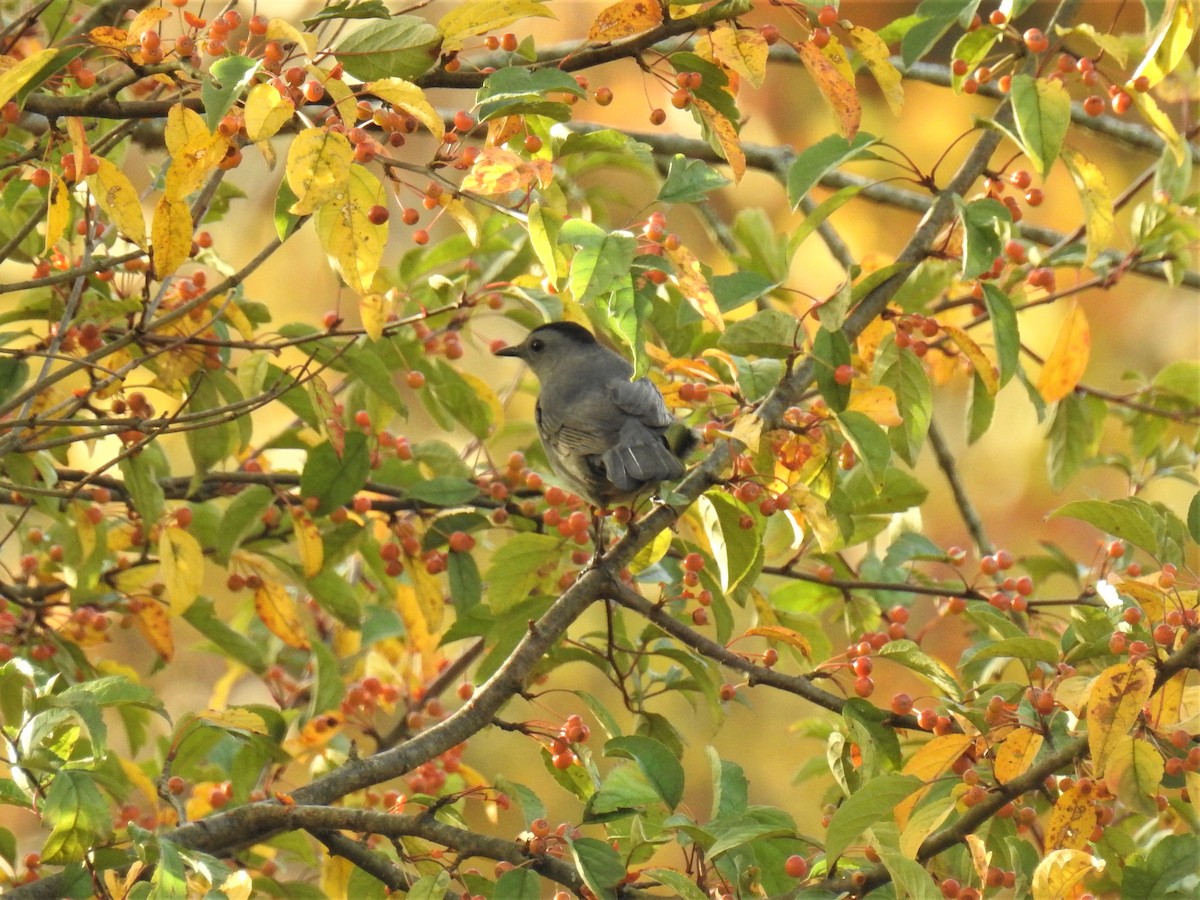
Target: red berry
[
  {"x": 844, "y": 374},
  {"x": 377, "y": 214},
  {"x": 796, "y": 866},
  {"x": 1034, "y": 197},
  {"x": 1036, "y": 40},
  {"x": 1093, "y": 105},
  {"x": 902, "y": 704},
  {"x": 828, "y": 16}
]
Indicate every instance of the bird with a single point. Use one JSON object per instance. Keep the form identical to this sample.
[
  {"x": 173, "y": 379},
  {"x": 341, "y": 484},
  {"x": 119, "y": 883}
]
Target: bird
[{"x": 604, "y": 434}]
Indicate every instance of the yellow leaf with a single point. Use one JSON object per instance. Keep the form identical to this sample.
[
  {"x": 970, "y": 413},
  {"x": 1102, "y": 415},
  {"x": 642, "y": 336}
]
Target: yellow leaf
[
  {"x": 988, "y": 373},
  {"x": 340, "y": 93},
  {"x": 416, "y": 625},
  {"x": 625, "y": 18},
  {"x": 836, "y": 54},
  {"x": 193, "y": 162},
  {"x": 17, "y": 76},
  {"x": 404, "y": 96},
  {"x": 1165, "y": 706},
  {"x": 1017, "y": 753},
  {"x": 318, "y": 167},
  {"x": 183, "y": 127},
  {"x": 748, "y": 430},
  {"x": 498, "y": 171},
  {"x": 874, "y": 51},
  {"x": 1169, "y": 45},
  {"x": 152, "y": 621},
  {"x": 878, "y": 403},
  {"x": 468, "y": 19},
  {"x": 694, "y": 286},
  {"x": 266, "y": 111},
  {"x": 58, "y": 210},
  {"x": 335, "y": 876},
  {"x": 351, "y": 239},
  {"x": 109, "y": 36},
  {"x": 139, "y": 780},
  {"x": 1096, "y": 198},
  {"x": 235, "y": 719},
  {"x": 727, "y": 137},
  {"x": 182, "y": 561},
  {"x": 840, "y": 94},
  {"x": 458, "y": 211},
  {"x": 1192, "y": 781},
  {"x": 652, "y": 552},
  {"x": 784, "y": 635},
  {"x": 1114, "y": 705},
  {"x": 981, "y": 858},
  {"x": 1068, "y": 359},
  {"x": 936, "y": 757},
  {"x": 278, "y": 611},
  {"x": 285, "y": 32},
  {"x": 170, "y": 235},
  {"x": 1162, "y": 124},
  {"x": 1061, "y": 871},
  {"x": 79, "y": 141},
  {"x": 1152, "y": 600},
  {"x": 1071, "y": 821},
  {"x": 308, "y": 542},
  {"x": 373, "y": 311},
  {"x": 744, "y": 50},
  {"x": 1134, "y": 774},
  {"x": 145, "y": 20}
]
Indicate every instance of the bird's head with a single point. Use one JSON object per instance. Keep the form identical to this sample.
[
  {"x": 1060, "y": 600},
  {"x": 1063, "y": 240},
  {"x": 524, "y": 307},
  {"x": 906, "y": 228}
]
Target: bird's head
[{"x": 553, "y": 348}]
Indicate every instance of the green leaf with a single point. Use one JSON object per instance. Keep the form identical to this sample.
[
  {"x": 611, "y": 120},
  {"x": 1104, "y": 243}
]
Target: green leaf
[
  {"x": 1120, "y": 518},
  {"x": 14, "y": 373},
  {"x": 830, "y": 350},
  {"x": 1043, "y": 112},
  {"x": 870, "y": 443},
  {"x": 599, "y": 864},
  {"x": 1026, "y": 649},
  {"x": 209, "y": 445},
  {"x": 734, "y": 548},
  {"x": 911, "y": 656},
  {"x": 520, "y": 90},
  {"x": 1169, "y": 869},
  {"x": 689, "y": 180},
  {"x": 661, "y": 768},
  {"x": 400, "y": 47},
  {"x": 861, "y": 495},
  {"x": 1005, "y": 332},
  {"x": 336, "y": 595},
  {"x": 875, "y": 801},
  {"x": 285, "y": 221},
  {"x": 514, "y": 573},
  {"x": 1072, "y": 438},
  {"x": 443, "y": 490},
  {"x": 224, "y": 83},
  {"x": 1193, "y": 518},
  {"x": 326, "y": 690},
  {"x": 739, "y": 288},
  {"x": 625, "y": 790},
  {"x": 865, "y": 723},
  {"x": 981, "y": 409},
  {"x": 517, "y": 884},
  {"x": 466, "y": 587},
  {"x": 77, "y": 814},
  {"x": 203, "y": 617},
  {"x": 914, "y": 398},
  {"x": 754, "y": 824},
  {"x": 682, "y": 887},
  {"x": 602, "y": 262},
  {"x": 812, "y": 164},
  {"x": 431, "y": 887},
  {"x": 142, "y": 474},
  {"x": 821, "y": 212},
  {"x": 1180, "y": 378},
  {"x": 349, "y": 9},
  {"x": 973, "y": 48},
  {"x": 768, "y": 333},
  {"x": 984, "y": 224},
  {"x": 12, "y": 795},
  {"x": 364, "y": 362},
  {"x": 242, "y": 517},
  {"x": 730, "y": 788},
  {"x": 922, "y": 31},
  {"x": 334, "y": 480}
]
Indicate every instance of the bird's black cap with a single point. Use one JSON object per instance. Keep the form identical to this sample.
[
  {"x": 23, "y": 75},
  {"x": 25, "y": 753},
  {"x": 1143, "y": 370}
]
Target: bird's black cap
[{"x": 575, "y": 332}]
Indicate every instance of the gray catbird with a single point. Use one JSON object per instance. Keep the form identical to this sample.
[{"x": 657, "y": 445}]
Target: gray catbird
[{"x": 605, "y": 435}]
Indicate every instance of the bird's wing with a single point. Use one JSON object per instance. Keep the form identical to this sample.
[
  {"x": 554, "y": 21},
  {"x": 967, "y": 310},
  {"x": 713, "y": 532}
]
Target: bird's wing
[
  {"x": 586, "y": 428},
  {"x": 641, "y": 400}
]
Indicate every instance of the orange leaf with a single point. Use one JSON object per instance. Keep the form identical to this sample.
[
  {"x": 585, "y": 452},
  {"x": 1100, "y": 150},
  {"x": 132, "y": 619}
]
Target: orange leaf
[
  {"x": 1072, "y": 819},
  {"x": 785, "y": 635},
  {"x": 1069, "y": 358},
  {"x": 694, "y": 286},
  {"x": 625, "y": 19},
  {"x": 1114, "y": 705},
  {"x": 109, "y": 36},
  {"x": 1017, "y": 753},
  {"x": 840, "y": 94},
  {"x": 152, "y": 621},
  {"x": 278, "y": 611},
  {"x": 498, "y": 171}
]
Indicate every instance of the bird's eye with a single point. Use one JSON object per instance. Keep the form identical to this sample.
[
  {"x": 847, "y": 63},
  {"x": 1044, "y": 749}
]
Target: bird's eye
[{"x": 537, "y": 345}]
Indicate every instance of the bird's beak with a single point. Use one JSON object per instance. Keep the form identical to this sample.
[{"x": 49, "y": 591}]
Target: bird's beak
[{"x": 509, "y": 351}]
